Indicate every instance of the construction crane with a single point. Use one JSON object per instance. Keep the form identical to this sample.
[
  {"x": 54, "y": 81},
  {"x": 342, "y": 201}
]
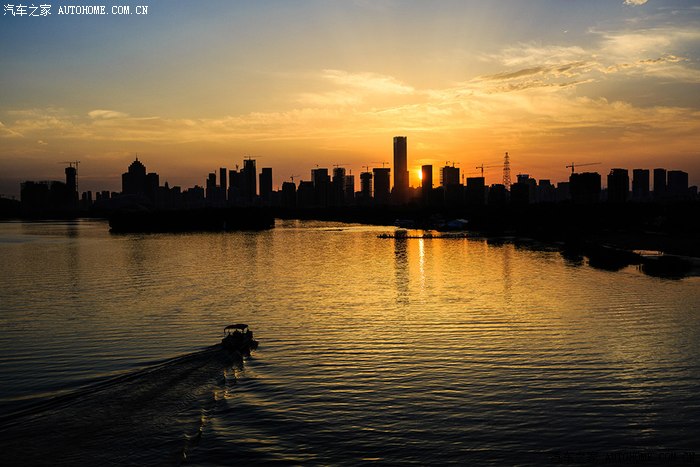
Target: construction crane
[
  {"x": 575, "y": 164},
  {"x": 482, "y": 167},
  {"x": 447, "y": 163},
  {"x": 292, "y": 177},
  {"x": 383, "y": 163},
  {"x": 366, "y": 167}
]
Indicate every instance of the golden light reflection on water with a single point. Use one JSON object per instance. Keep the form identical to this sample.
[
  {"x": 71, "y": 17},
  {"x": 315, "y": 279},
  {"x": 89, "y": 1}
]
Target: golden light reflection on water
[{"x": 501, "y": 342}]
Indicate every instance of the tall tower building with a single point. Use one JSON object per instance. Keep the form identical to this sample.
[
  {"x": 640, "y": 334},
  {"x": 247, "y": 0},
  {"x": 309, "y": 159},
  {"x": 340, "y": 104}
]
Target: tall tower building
[
  {"x": 618, "y": 185},
  {"x": 322, "y": 183},
  {"x": 266, "y": 184},
  {"x": 366, "y": 187},
  {"x": 400, "y": 193},
  {"x": 677, "y": 186},
  {"x": 349, "y": 188},
  {"x": 222, "y": 182},
  {"x": 250, "y": 185},
  {"x": 72, "y": 179},
  {"x": 338, "y": 186},
  {"x": 640, "y": 184},
  {"x": 382, "y": 178},
  {"x": 449, "y": 176},
  {"x": 426, "y": 182},
  {"x": 134, "y": 180},
  {"x": 659, "y": 183},
  {"x": 72, "y": 185}
]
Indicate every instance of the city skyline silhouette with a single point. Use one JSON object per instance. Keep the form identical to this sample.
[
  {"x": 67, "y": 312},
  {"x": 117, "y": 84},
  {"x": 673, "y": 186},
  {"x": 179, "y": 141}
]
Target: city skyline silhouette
[{"x": 615, "y": 82}]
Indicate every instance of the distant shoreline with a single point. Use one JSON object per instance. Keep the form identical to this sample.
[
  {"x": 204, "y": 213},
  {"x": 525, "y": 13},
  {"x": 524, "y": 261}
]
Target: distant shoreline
[{"x": 672, "y": 228}]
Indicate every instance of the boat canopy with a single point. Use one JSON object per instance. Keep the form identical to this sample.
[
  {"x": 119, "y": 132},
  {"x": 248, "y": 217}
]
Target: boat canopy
[{"x": 235, "y": 327}]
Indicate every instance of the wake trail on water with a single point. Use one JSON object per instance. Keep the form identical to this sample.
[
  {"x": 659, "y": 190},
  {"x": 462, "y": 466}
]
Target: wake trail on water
[{"x": 154, "y": 416}]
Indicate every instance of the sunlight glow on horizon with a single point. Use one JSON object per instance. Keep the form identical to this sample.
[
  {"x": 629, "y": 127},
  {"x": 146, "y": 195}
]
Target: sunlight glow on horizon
[{"x": 332, "y": 82}]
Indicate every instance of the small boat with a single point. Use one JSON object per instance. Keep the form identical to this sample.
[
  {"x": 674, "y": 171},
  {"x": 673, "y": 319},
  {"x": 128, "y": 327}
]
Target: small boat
[{"x": 238, "y": 337}]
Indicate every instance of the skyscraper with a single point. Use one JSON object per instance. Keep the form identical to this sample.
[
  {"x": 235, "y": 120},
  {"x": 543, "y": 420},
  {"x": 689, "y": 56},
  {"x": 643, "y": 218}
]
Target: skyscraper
[
  {"x": 134, "y": 180},
  {"x": 250, "y": 185},
  {"x": 222, "y": 182},
  {"x": 400, "y": 193},
  {"x": 640, "y": 184},
  {"x": 365, "y": 187},
  {"x": 659, "y": 183},
  {"x": 449, "y": 176},
  {"x": 426, "y": 182},
  {"x": 72, "y": 184},
  {"x": 618, "y": 185},
  {"x": 476, "y": 190},
  {"x": 266, "y": 184},
  {"x": 584, "y": 187},
  {"x": 382, "y": 179},
  {"x": 677, "y": 186},
  {"x": 338, "y": 186},
  {"x": 322, "y": 183},
  {"x": 349, "y": 188}
]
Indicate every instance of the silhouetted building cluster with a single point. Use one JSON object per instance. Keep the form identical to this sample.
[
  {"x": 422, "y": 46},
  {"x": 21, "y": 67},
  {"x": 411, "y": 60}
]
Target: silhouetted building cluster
[
  {"x": 56, "y": 196},
  {"x": 247, "y": 187}
]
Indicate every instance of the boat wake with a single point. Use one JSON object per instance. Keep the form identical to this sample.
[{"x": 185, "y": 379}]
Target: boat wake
[{"x": 152, "y": 416}]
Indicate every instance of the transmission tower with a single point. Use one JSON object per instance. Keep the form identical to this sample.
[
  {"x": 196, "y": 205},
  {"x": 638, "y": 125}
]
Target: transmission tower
[{"x": 506, "y": 171}]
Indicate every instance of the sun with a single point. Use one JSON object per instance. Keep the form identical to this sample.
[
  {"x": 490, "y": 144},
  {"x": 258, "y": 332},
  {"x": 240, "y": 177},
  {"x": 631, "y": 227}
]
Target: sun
[{"x": 419, "y": 172}]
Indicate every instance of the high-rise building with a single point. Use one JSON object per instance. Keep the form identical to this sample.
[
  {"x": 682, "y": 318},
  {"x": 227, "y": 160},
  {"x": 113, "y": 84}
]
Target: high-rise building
[
  {"x": 382, "y": 181},
  {"x": 497, "y": 195},
  {"x": 400, "y": 192},
  {"x": 72, "y": 179},
  {"x": 365, "y": 187},
  {"x": 72, "y": 184},
  {"x": 531, "y": 184},
  {"x": 289, "y": 194},
  {"x": 677, "y": 187},
  {"x": 211, "y": 191},
  {"x": 349, "y": 188},
  {"x": 152, "y": 184},
  {"x": 659, "y": 183},
  {"x": 426, "y": 182},
  {"x": 338, "y": 186},
  {"x": 618, "y": 185},
  {"x": 322, "y": 183},
  {"x": 134, "y": 179},
  {"x": 585, "y": 187},
  {"x": 546, "y": 193},
  {"x": 266, "y": 185},
  {"x": 235, "y": 187},
  {"x": 449, "y": 176},
  {"x": 640, "y": 184},
  {"x": 476, "y": 190},
  {"x": 222, "y": 182},
  {"x": 250, "y": 188}
]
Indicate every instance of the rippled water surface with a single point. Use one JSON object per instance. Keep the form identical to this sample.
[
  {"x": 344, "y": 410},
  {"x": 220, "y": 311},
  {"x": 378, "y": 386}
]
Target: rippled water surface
[{"x": 423, "y": 351}]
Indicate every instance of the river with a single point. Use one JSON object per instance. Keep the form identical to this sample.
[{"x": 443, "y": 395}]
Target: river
[{"x": 409, "y": 351}]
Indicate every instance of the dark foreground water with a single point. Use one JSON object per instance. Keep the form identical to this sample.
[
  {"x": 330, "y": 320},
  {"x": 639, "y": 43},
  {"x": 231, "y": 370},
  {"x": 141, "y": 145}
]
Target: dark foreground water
[{"x": 372, "y": 350}]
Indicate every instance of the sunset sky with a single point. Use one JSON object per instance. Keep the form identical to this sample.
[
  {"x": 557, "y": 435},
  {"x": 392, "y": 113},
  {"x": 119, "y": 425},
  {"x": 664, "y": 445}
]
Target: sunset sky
[{"x": 196, "y": 85}]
